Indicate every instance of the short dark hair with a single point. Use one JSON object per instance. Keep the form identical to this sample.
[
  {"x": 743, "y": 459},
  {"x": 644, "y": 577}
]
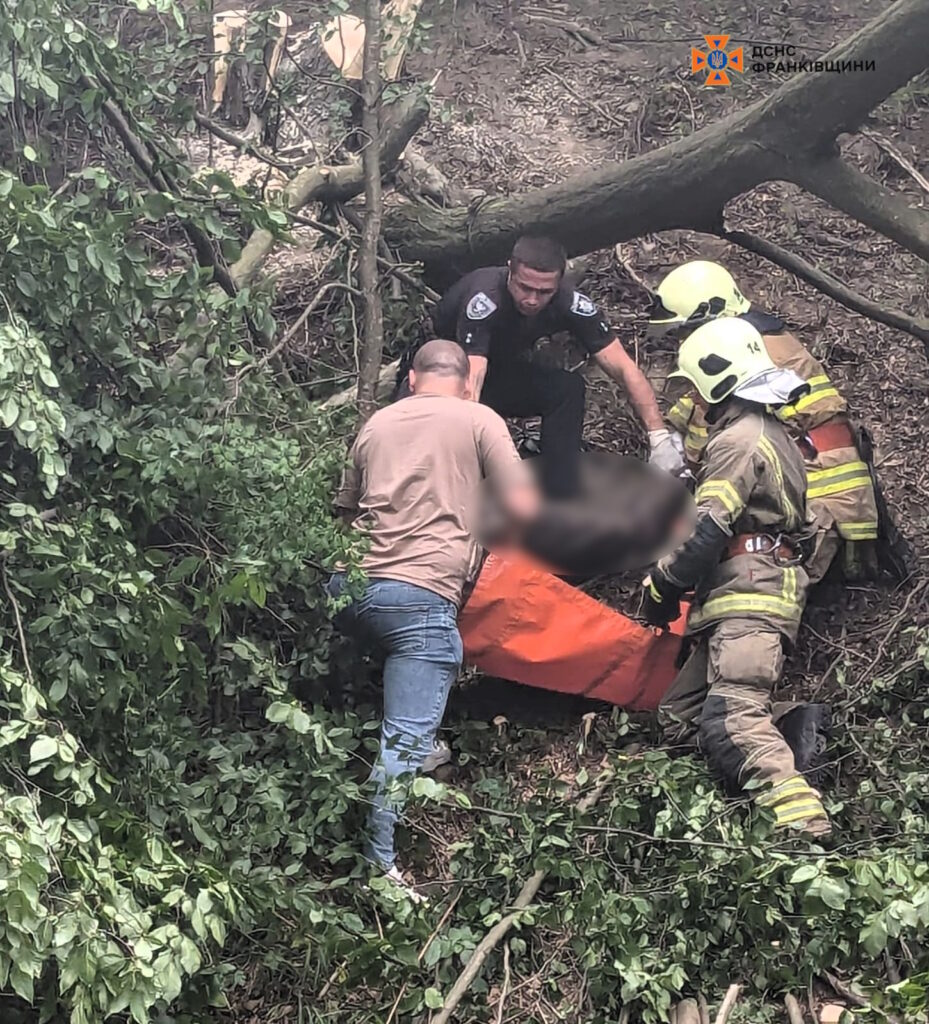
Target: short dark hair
[
  {"x": 442, "y": 359},
  {"x": 539, "y": 252}
]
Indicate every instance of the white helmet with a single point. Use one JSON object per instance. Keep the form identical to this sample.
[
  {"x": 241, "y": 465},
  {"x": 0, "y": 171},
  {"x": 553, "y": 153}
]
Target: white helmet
[
  {"x": 696, "y": 292},
  {"x": 728, "y": 357}
]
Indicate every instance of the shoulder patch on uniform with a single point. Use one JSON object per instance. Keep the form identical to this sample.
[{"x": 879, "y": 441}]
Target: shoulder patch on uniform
[
  {"x": 480, "y": 307},
  {"x": 583, "y": 306}
]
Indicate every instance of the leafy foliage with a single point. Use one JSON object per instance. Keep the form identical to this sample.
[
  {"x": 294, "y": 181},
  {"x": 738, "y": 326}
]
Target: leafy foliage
[{"x": 180, "y": 791}]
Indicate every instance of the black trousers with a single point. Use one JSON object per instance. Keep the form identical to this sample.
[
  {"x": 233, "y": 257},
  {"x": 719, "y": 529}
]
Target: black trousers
[{"x": 524, "y": 389}]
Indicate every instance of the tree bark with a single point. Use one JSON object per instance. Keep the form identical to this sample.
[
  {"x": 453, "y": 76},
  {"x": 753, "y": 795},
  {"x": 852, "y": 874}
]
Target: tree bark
[
  {"x": 373, "y": 337},
  {"x": 790, "y": 135},
  {"x": 854, "y": 193},
  {"x": 824, "y": 282}
]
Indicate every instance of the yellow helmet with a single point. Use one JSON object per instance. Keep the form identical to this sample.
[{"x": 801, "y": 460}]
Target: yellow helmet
[
  {"x": 722, "y": 357},
  {"x": 696, "y": 292}
]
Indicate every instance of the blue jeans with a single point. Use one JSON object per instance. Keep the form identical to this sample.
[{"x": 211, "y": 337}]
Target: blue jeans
[{"x": 418, "y": 632}]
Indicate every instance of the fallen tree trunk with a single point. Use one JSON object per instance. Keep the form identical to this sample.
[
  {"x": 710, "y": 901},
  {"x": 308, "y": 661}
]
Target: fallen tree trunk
[{"x": 789, "y": 136}]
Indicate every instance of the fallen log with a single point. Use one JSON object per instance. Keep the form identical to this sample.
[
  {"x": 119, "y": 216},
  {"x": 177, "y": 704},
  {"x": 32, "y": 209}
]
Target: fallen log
[{"x": 790, "y": 136}]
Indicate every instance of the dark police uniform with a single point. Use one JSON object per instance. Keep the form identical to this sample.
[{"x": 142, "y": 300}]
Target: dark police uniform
[{"x": 479, "y": 313}]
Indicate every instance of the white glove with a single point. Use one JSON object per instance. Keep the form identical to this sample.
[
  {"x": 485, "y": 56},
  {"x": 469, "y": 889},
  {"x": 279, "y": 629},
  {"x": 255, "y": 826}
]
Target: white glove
[{"x": 667, "y": 451}]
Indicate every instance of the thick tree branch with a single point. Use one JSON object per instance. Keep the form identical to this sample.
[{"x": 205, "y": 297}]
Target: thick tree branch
[
  {"x": 854, "y": 193},
  {"x": 684, "y": 185},
  {"x": 336, "y": 184},
  {"x": 158, "y": 179},
  {"x": 824, "y": 282}
]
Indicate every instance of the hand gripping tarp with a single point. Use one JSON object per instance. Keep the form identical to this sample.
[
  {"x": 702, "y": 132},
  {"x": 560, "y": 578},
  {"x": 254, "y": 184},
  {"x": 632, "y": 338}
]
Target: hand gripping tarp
[{"x": 525, "y": 625}]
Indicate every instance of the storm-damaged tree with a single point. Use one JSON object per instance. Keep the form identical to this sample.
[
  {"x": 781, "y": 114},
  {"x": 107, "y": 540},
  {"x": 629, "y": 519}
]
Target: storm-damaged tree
[{"x": 790, "y": 136}]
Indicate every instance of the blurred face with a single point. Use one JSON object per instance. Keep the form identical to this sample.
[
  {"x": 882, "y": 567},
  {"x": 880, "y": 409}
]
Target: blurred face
[{"x": 532, "y": 290}]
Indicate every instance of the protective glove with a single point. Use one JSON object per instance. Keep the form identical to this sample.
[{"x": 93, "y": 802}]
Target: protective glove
[
  {"x": 661, "y": 605},
  {"x": 667, "y": 451}
]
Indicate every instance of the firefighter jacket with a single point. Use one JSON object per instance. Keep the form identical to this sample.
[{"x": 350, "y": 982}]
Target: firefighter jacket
[
  {"x": 752, "y": 484},
  {"x": 840, "y": 491}
]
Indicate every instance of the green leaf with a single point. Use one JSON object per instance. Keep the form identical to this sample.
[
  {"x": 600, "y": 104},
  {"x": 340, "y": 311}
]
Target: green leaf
[
  {"x": 185, "y": 568},
  {"x": 80, "y": 830},
  {"x": 42, "y": 749},
  {"x": 873, "y": 937},
  {"x": 805, "y": 873},
  {"x": 278, "y": 712},
  {"x": 190, "y": 957},
  {"x": 138, "y": 1008},
  {"x": 833, "y": 892},
  {"x": 22, "y": 983},
  {"x": 30, "y": 154},
  {"x": 157, "y": 205},
  {"x": 434, "y": 999},
  {"x": 9, "y": 411},
  {"x": 26, "y": 283},
  {"x": 300, "y": 722}
]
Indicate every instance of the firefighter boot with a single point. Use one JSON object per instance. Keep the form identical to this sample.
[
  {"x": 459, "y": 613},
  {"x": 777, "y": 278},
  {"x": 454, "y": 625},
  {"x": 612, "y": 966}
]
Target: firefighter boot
[{"x": 806, "y": 730}]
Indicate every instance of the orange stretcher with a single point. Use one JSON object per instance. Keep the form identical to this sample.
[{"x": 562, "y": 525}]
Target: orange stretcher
[{"x": 523, "y": 624}]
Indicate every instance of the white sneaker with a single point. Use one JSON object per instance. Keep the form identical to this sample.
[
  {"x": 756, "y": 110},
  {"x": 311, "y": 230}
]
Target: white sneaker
[
  {"x": 440, "y": 754},
  {"x": 395, "y": 876}
]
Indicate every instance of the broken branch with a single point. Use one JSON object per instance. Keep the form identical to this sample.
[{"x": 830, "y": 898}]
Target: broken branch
[
  {"x": 241, "y": 143},
  {"x": 333, "y": 184},
  {"x": 897, "y": 156},
  {"x": 500, "y": 929},
  {"x": 824, "y": 282},
  {"x": 729, "y": 1002},
  {"x": 794, "y": 1012}
]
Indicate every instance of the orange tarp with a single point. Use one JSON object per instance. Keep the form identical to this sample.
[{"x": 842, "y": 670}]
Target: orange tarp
[{"x": 523, "y": 624}]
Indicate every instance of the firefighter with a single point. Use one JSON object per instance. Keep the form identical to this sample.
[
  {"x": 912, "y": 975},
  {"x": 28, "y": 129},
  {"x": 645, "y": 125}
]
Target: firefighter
[
  {"x": 744, "y": 563},
  {"x": 841, "y": 491}
]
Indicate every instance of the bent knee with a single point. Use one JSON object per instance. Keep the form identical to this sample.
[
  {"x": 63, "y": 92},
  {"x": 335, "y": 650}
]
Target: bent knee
[{"x": 720, "y": 746}]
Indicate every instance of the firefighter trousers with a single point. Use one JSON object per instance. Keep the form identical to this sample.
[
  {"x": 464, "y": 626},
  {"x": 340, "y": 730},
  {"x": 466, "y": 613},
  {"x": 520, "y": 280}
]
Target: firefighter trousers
[{"x": 722, "y": 699}]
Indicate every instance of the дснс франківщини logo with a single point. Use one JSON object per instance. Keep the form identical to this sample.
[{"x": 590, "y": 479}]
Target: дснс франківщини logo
[{"x": 717, "y": 61}]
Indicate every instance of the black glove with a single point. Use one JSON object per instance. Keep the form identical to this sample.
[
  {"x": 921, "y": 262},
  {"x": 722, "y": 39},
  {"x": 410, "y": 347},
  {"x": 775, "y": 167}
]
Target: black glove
[{"x": 662, "y": 603}]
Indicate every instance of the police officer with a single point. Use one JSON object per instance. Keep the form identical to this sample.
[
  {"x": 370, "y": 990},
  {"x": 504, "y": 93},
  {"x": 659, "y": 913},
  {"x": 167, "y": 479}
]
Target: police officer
[
  {"x": 743, "y": 562},
  {"x": 498, "y": 313},
  {"x": 841, "y": 492}
]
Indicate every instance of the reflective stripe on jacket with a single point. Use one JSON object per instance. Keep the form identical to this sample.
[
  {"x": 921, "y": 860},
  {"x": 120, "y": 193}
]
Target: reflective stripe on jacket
[
  {"x": 840, "y": 489},
  {"x": 752, "y": 480}
]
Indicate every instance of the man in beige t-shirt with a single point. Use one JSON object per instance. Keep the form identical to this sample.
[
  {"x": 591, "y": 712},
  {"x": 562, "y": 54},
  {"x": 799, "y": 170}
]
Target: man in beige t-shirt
[{"x": 411, "y": 488}]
